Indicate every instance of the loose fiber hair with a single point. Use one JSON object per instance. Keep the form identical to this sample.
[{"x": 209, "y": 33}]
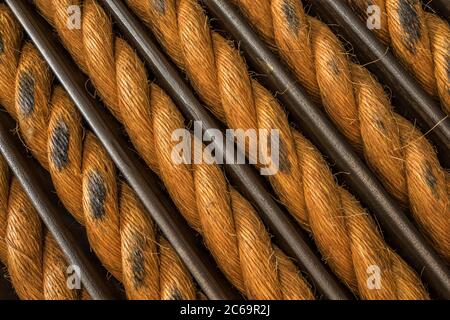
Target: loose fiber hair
[
  {"x": 119, "y": 231},
  {"x": 346, "y": 235},
  {"x": 117, "y": 228},
  {"x": 420, "y": 39},
  {"x": 398, "y": 153}
]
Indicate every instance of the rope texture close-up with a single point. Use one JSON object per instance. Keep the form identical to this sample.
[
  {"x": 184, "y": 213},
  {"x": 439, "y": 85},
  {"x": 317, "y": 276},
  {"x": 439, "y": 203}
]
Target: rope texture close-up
[
  {"x": 395, "y": 149},
  {"x": 119, "y": 231},
  {"x": 420, "y": 39},
  {"x": 35, "y": 264},
  {"x": 349, "y": 240}
]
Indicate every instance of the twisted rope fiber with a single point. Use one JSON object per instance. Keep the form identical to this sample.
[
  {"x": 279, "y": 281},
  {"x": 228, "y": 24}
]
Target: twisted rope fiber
[
  {"x": 119, "y": 231},
  {"x": 35, "y": 262},
  {"x": 420, "y": 39},
  {"x": 231, "y": 228},
  {"x": 347, "y": 237},
  {"x": 399, "y": 154}
]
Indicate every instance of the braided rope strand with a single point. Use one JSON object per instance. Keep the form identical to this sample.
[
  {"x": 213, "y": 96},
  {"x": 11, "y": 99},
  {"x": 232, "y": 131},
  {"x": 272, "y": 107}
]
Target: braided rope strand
[{"x": 34, "y": 261}]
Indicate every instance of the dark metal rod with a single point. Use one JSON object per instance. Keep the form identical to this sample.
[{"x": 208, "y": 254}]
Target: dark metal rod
[
  {"x": 441, "y": 7},
  {"x": 159, "y": 206},
  {"x": 332, "y": 143},
  {"x": 52, "y": 217},
  {"x": 6, "y": 290},
  {"x": 286, "y": 231},
  {"x": 386, "y": 67}
]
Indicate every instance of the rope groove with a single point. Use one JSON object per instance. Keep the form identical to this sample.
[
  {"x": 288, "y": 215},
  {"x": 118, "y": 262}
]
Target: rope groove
[
  {"x": 119, "y": 231},
  {"x": 399, "y": 153},
  {"x": 349, "y": 240}
]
